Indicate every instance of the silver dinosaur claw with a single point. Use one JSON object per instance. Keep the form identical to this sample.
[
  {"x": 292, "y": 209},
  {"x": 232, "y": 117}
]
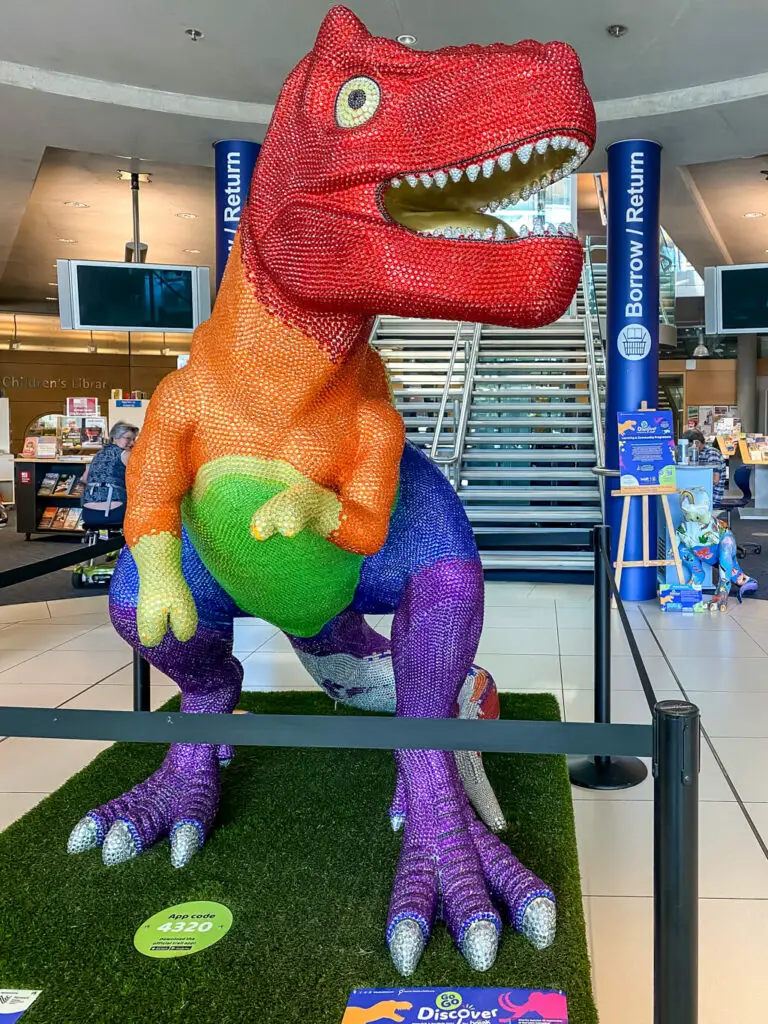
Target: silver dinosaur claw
[
  {"x": 480, "y": 945},
  {"x": 185, "y": 842},
  {"x": 84, "y": 836},
  {"x": 119, "y": 845},
  {"x": 406, "y": 946},
  {"x": 540, "y": 923}
]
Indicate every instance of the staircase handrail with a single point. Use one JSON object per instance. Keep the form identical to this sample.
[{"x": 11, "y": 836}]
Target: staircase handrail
[
  {"x": 460, "y": 428},
  {"x": 594, "y": 398}
]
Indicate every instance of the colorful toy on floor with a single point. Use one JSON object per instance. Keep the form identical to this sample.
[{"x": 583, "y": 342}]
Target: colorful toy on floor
[
  {"x": 702, "y": 539},
  {"x": 271, "y": 477}
]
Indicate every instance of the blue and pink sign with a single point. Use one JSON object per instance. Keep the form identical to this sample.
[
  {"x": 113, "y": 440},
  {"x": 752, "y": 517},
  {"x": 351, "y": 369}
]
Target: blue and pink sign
[
  {"x": 646, "y": 449},
  {"x": 456, "y": 1006}
]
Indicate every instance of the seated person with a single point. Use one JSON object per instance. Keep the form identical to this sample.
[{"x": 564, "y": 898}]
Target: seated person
[
  {"x": 105, "y": 495},
  {"x": 708, "y": 455}
]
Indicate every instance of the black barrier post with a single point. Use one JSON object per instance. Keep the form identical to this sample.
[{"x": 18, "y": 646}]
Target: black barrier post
[
  {"x": 676, "y": 763},
  {"x": 600, "y": 772},
  {"x": 140, "y": 683}
]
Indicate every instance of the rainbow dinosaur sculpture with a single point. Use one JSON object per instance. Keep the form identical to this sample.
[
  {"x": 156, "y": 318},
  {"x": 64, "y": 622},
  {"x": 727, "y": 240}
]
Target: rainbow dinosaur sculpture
[{"x": 272, "y": 477}]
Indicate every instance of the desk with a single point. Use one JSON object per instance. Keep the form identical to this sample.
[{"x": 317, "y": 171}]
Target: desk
[
  {"x": 686, "y": 477},
  {"x": 760, "y": 511}
]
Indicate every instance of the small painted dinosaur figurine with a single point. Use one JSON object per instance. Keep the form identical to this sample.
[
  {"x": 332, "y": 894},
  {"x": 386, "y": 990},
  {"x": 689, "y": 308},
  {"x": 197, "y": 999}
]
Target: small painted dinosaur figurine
[{"x": 272, "y": 476}]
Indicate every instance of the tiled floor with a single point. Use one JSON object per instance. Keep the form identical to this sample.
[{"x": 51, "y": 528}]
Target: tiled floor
[{"x": 537, "y": 637}]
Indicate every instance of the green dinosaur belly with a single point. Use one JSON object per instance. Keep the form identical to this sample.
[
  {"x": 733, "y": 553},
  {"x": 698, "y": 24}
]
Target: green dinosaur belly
[{"x": 296, "y": 583}]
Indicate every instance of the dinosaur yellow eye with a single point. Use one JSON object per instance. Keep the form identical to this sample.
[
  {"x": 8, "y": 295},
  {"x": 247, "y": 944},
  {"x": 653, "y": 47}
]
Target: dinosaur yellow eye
[{"x": 357, "y": 102}]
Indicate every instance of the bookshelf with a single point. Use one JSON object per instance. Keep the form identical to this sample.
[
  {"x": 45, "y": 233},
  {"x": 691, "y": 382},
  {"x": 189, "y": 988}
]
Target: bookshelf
[{"x": 30, "y": 475}]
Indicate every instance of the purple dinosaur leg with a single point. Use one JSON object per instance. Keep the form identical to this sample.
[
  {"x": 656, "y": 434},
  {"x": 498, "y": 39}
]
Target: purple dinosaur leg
[
  {"x": 448, "y": 858},
  {"x": 181, "y": 798},
  {"x": 353, "y": 664}
]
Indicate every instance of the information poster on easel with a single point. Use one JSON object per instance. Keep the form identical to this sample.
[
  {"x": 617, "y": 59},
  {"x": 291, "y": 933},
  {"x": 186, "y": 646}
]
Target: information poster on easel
[{"x": 646, "y": 449}]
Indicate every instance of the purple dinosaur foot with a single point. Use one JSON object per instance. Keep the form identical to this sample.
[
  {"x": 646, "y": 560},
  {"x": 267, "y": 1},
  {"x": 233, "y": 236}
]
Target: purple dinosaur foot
[
  {"x": 179, "y": 800},
  {"x": 452, "y": 866}
]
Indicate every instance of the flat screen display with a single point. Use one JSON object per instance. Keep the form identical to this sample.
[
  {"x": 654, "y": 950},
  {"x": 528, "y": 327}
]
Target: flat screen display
[
  {"x": 135, "y": 297},
  {"x": 744, "y": 298}
]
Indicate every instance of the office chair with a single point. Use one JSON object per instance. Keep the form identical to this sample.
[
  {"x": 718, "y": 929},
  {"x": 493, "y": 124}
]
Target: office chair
[{"x": 741, "y": 479}]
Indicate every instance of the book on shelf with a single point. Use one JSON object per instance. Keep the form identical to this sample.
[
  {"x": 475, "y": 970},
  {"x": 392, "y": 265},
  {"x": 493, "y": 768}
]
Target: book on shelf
[
  {"x": 73, "y": 518},
  {"x": 46, "y": 519},
  {"x": 64, "y": 485},
  {"x": 49, "y": 483},
  {"x": 77, "y": 489},
  {"x": 60, "y": 518}
]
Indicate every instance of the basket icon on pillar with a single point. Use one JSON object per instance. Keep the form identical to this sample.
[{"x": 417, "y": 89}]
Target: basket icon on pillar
[{"x": 634, "y": 342}]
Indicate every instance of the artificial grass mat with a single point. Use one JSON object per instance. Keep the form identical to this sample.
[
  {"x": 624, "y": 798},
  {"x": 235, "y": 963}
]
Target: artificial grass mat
[{"x": 303, "y": 856}]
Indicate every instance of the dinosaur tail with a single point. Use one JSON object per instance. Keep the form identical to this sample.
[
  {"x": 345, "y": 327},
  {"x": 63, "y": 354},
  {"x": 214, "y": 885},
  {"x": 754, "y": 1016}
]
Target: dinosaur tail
[{"x": 479, "y": 698}]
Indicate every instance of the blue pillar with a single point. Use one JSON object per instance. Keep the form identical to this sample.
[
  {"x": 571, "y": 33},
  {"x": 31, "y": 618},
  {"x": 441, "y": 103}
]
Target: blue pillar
[
  {"x": 633, "y": 327},
  {"x": 234, "y": 160}
]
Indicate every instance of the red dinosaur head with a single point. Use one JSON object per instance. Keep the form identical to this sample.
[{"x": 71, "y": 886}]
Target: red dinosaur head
[{"x": 375, "y": 189}]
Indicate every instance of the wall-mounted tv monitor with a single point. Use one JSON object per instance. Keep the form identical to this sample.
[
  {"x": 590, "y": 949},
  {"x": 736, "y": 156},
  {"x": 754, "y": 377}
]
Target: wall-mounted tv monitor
[
  {"x": 736, "y": 299},
  {"x": 95, "y": 296}
]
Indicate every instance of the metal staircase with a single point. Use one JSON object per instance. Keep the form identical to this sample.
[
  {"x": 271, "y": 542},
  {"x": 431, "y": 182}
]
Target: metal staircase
[{"x": 513, "y": 418}]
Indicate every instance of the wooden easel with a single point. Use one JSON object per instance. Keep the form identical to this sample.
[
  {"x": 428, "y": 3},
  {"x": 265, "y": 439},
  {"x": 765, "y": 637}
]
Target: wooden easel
[{"x": 628, "y": 493}]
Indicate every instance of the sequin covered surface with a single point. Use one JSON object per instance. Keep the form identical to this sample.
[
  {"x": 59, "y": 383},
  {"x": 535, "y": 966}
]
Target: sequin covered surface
[{"x": 272, "y": 477}]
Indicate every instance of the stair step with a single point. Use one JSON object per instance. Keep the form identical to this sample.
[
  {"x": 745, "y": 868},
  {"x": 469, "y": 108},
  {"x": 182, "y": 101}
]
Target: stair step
[
  {"x": 527, "y": 455},
  {"x": 537, "y": 367},
  {"x": 574, "y": 394},
  {"x": 531, "y": 378},
  {"x": 573, "y": 561},
  {"x": 523, "y": 493},
  {"x": 541, "y": 420},
  {"x": 528, "y": 473},
  {"x": 534, "y": 514},
  {"x": 532, "y": 440}
]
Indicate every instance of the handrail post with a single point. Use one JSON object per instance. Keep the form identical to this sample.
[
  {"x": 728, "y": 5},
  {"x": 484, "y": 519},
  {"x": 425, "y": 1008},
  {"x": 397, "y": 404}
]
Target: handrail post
[
  {"x": 141, "y": 683},
  {"x": 676, "y": 764},
  {"x": 600, "y": 772}
]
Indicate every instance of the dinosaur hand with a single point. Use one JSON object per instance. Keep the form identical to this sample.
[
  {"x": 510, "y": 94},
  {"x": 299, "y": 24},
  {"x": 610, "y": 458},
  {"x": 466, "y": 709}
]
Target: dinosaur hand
[
  {"x": 164, "y": 597},
  {"x": 303, "y": 506},
  {"x": 386, "y": 1010}
]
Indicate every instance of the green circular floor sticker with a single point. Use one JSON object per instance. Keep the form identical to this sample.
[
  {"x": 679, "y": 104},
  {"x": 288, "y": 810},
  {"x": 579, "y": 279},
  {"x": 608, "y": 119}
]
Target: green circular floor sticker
[{"x": 183, "y": 929}]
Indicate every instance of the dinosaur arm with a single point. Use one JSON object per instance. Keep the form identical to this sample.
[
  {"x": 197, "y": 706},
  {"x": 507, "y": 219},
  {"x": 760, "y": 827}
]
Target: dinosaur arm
[
  {"x": 159, "y": 475},
  {"x": 368, "y": 494}
]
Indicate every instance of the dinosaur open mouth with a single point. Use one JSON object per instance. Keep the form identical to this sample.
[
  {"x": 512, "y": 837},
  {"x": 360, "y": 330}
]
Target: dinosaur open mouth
[{"x": 459, "y": 201}]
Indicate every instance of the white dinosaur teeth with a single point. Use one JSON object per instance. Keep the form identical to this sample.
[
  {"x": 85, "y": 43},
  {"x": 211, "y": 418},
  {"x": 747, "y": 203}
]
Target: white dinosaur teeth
[
  {"x": 566, "y": 229},
  {"x": 440, "y": 178},
  {"x": 570, "y": 143},
  {"x": 550, "y": 229},
  {"x": 488, "y": 233},
  {"x": 582, "y": 149},
  {"x": 525, "y": 193},
  {"x": 522, "y": 231},
  {"x": 426, "y": 180},
  {"x": 513, "y": 199},
  {"x": 524, "y": 153},
  {"x": 538, "y": 228},
  {"x": 477, "y": 233},
  {"x": 472, "y": 171},
  {"x": 396, "y": 182},
  {"x": 455, "y": 173},
  {"x": 556, "y": 142},
  {"x": 488, "y": 166},
  {"x": 500, "y": 234},
  {"x": 505, "y": 161},
  {"x": 493, "y": 206},
  {"x": 412, "y": 180},
  {"x": 542, "y": 146}
]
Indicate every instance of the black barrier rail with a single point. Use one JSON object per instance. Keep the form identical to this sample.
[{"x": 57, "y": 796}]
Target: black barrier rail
[
  {"x": 31, "y": 571},
  {"x": 672, "y": 742}
]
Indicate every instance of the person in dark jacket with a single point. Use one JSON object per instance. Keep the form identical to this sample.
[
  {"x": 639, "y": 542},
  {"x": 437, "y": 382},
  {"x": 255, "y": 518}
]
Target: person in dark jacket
[{"x": 105, "y": 495}]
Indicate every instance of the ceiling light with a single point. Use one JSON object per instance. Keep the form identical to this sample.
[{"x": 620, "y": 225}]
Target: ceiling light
[
  {"x": 67, "y": 241},
  {"x": 753, "y": 214},
  {"x": 92, "y": 348},
  {"x": 51, "y": 298},
  {"x": 617, "y": 31},
  {"x": 77, "y": 206},
  {"x": 194, "y": 251},
  {"x": 14, "y": 345},
  {"x": 165, "y": 351},
  {"x": 143, "y": 177},
  {"x": 53, "y": 284},
  {"x": 701, "y": 351},
  {"x": 187, "y": 216},
  {"x": 407, "y": 39},
  {"x": 194, "y": 34}
]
